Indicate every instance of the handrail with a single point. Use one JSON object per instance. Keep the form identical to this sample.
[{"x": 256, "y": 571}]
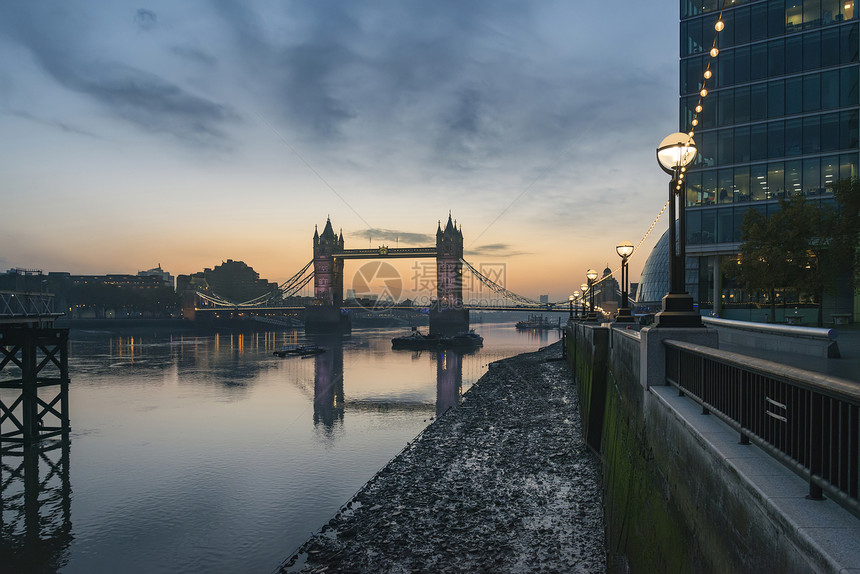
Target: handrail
[
  {"x": 802, "y": 378},
  {"x": 808, "y": 421},
  {"x": 790, "y": 330}
]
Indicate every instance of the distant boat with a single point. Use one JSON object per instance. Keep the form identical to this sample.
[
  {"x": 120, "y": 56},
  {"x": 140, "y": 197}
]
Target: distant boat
[
  {"x": 466, "y": 339},
  {"x": 299, "y": 351},
  {"x": 538, "y": 322},
  {"x": 417, "y": 341}
]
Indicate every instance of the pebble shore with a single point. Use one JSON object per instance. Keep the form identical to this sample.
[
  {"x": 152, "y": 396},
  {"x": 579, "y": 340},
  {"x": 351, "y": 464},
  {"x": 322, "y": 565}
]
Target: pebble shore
[{"x": 502, "y": 483}]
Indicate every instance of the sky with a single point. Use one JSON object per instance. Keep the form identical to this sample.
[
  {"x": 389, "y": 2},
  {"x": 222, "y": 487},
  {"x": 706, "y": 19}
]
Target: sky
[{"x": 188, "y": 133}]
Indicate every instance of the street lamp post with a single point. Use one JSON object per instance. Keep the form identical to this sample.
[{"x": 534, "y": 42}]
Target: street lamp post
[
  {"x": 570, "y": 299},
  {"x": 576, "y": 296},
  {"x": 591, "y": 275},
  {"x": 583, "y": 303},
  {"x": 674, "y": 154},
  {"x": 624, "y": 250}
]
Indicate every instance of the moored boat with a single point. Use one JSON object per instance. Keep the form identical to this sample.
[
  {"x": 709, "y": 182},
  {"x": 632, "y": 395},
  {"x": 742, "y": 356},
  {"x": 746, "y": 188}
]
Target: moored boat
[
  {"x": 417, "y": 341},
  {"x": 466, "y": 339}
]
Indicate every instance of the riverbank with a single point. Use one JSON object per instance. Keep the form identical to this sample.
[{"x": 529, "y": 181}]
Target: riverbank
[{"x": 502, "y": 483}]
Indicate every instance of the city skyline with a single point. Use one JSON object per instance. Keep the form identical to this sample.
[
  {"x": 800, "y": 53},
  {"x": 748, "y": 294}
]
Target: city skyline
[{"x": 188, "y": 135}]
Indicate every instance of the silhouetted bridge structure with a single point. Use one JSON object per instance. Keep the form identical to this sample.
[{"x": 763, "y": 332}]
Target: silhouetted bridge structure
[{"x": 330, "y": 312}]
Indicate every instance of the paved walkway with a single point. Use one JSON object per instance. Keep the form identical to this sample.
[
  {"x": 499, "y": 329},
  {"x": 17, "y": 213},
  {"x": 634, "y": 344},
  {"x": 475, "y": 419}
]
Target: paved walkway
[{"x": 504, "y": 483}]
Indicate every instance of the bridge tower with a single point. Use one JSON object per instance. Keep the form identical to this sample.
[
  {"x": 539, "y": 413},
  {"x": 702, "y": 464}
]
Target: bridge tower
[
  {"x": 447, "y": 315},
  {"x": 325, "y": 313}
]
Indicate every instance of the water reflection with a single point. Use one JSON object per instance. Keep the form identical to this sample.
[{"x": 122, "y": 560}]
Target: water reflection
[
  {"x": 329, "y": 401},
  {"x": 449, "y": 380},
  {"x": 35, "y": 507},
  {"x": 328, "y": 385}
]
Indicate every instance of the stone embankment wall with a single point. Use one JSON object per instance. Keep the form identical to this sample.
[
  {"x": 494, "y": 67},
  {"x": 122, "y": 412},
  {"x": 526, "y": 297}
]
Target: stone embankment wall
[{"x": 671, "y": 503}]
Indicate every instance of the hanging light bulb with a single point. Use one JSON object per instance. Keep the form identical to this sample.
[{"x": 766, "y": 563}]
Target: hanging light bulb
[
  {"x": 692, "y": 133},
  {"x": 708, "y": 74},
  {"x": 719, "y": 26},
  {"x": 699, "y": 109},
  {"x": 714, "y": 52},
  {"x": 703, "y": 93},
  {"x": 695, "y": 122}
]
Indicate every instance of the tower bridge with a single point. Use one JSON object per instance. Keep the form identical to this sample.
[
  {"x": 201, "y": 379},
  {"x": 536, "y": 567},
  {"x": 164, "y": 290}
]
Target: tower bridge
[{"x": 447, "y": 313}]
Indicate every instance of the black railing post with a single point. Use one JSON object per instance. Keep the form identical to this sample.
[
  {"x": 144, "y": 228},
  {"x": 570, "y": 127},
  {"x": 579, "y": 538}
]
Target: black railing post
[
  {"x": 744, "y": 406},
  {"x": 815, "y": 446}
]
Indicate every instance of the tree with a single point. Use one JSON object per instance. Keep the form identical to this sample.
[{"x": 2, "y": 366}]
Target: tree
[
  {"x": 846, "y": 227},
  {"x": 783, "y": 251},
  {"x": 760, "y": 266},
  {"x": 803, "y": 247}
]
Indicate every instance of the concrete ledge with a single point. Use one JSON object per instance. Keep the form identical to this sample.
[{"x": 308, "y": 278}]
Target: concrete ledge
[
  {"x": 809, "y": 341},
  {"x": 652, "y": 358},
  {"x": 822, "y": 531}
]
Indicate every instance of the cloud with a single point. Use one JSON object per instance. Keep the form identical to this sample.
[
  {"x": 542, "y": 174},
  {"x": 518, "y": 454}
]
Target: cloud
[
  {"x": 145, "y": 19},
  {"x": 422, "y": 239},
  {"x": 494, "y": 250},
  {"x": 145, "y": 99},
  {"x": 194, "y": 55},
  {"x": 62, "y": 126}
]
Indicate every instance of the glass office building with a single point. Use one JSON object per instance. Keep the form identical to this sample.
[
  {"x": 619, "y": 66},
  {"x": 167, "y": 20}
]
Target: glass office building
[{"x": 780, "y": 117}]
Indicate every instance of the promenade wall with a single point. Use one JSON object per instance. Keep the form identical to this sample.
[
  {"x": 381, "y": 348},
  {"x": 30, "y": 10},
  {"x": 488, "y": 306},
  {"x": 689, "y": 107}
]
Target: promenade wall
[{"x": 677, "y": 494}]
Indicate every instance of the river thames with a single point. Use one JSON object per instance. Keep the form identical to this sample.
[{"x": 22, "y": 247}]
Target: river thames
[{"x": 197, "y": 453}]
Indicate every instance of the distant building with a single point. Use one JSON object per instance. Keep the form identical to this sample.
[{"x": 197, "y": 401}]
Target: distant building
[
  {"x": 780, "y": 118},
  {"x": 607, "y": 292},
  {"x": 544, "y": 299},
  {"x": 166, "y": 277},
  {"x": 23, "y": 280},
  {"x": 232, "y": 280},
  {"x": 654, "y": 280}
]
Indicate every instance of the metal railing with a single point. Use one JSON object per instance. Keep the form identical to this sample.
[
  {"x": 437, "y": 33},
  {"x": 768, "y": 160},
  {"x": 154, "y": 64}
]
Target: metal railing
[
  {"x": 25, "y": 306},
  {"x": 809, "y": 421}
]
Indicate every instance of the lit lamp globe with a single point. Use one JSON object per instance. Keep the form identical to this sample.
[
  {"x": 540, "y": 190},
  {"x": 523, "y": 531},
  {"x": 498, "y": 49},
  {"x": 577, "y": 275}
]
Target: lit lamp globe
[
  {"x": 591, "y": 274},
  {"x": 624, "y": 249},
  {"x": 676, "y": 151}
]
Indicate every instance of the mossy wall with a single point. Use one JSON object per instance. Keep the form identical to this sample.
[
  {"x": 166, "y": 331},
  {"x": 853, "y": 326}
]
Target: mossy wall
[{"x": 671, "y": 505}]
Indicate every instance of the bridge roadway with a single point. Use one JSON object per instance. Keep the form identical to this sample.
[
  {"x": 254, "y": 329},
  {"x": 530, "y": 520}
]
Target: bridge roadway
[
  {"x": 391, "y": 252},
  {"x": 560, "y": 309}
]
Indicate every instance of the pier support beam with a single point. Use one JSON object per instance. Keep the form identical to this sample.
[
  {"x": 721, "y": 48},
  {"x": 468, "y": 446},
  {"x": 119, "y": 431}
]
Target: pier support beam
[{"x": 34, "y": 365}]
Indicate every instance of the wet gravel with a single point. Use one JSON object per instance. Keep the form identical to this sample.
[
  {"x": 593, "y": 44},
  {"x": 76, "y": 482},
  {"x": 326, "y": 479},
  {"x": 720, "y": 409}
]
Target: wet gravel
[{"x": 503, "y": 483}]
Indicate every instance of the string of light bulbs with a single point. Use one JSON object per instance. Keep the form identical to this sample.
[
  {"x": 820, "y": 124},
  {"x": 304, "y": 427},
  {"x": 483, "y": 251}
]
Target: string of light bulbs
[{"x": 719, "y": 26}]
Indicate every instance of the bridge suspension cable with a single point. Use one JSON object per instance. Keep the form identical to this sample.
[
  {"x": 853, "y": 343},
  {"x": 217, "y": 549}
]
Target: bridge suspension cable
[
  {"x": 294, "y": 284},
  {"x": 498, "y": 289}
]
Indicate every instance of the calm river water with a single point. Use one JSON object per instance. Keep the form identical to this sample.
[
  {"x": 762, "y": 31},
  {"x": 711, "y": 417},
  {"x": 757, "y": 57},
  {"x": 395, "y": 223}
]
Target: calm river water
[{"x": 208, "y": 454}]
